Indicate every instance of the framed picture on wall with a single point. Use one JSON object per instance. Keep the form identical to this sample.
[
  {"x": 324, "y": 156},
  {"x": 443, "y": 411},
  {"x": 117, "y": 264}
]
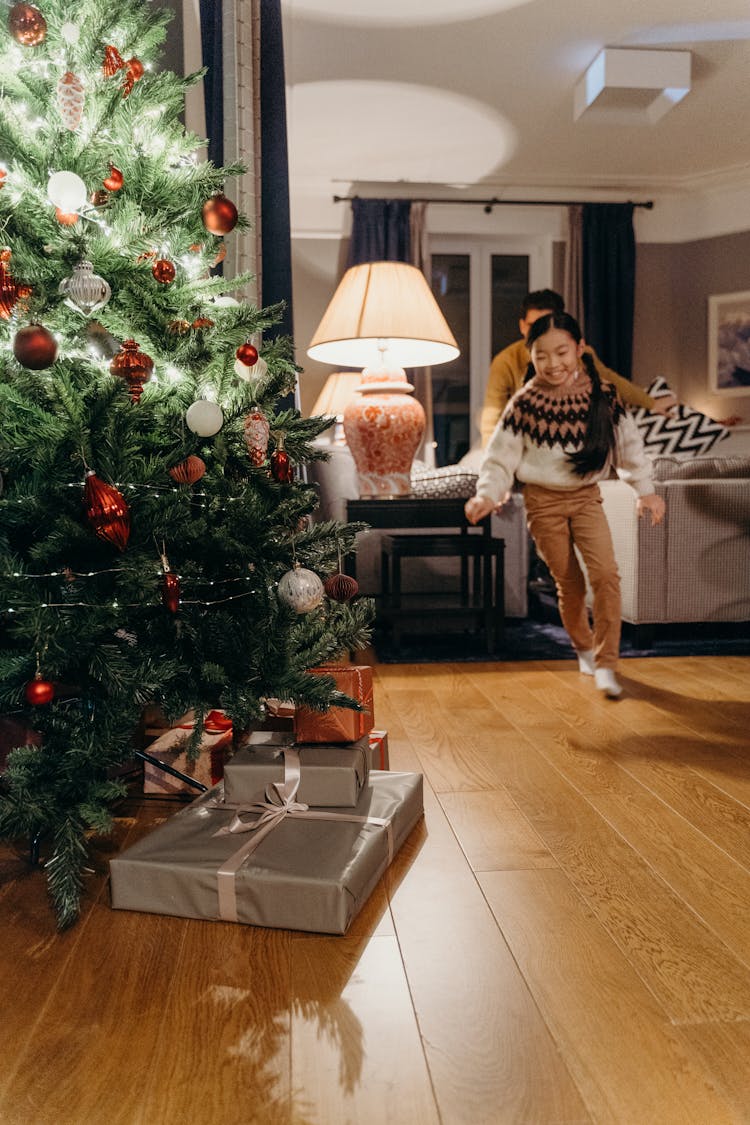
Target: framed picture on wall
[{"x": 729, "y": 343}]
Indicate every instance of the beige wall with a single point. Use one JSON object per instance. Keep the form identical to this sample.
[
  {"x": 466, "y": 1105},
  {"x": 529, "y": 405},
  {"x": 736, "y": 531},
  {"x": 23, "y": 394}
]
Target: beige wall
[{"x": 673, "y": 284}]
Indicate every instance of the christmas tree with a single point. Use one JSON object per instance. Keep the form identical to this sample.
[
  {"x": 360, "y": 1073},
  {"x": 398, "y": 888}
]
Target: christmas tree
[{"x": 155, "y": 540}]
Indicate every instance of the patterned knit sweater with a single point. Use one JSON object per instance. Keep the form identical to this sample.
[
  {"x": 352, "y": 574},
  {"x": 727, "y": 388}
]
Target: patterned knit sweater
[{"x": 539, "y": 428}]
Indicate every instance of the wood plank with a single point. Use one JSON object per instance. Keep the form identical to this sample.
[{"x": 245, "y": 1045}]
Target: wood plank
[
  {"x": 493, "y": 832},
  {"x": 471, "y": 1002},
  {"x": 630, "y": 1065},
  {"x": 686, "y": 966},
  {"x": 724, "y": 1049},
  {"x": 356, "y": 1050}
]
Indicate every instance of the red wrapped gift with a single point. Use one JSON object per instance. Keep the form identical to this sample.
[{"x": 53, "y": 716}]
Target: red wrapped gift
[
  {"x": 339, "y": 724},
  {"x": 378, "y": 740}
]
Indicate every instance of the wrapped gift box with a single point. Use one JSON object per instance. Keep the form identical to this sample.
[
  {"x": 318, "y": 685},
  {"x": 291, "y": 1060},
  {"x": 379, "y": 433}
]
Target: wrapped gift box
[
  {"x": 309, "y": 871},
  {"x": 169, "y": 748},
  {"x": 378, "y": 746},
  {"x": 332, "y": 776},
  {"x": 339, "y": 724}
]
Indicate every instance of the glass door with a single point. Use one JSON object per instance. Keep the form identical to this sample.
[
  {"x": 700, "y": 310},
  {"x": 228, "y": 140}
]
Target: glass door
[{"x": 479, "y": 285}]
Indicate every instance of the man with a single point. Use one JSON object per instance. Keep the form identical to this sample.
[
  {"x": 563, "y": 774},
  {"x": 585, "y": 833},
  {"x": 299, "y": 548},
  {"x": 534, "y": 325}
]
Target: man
[{"x": 508, "y": 369}]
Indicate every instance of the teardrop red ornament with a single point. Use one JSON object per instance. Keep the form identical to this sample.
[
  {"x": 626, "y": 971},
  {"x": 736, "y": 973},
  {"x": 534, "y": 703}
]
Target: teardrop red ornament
[
  {"x": 341, "y": 587},
  {"x": 170, "y": 591},
  {"x": 133, "y": 366},
  {"x": 281, "y": 467},
  {"x": 107, "y": 511},
  {"x": 8, "y": 292}
]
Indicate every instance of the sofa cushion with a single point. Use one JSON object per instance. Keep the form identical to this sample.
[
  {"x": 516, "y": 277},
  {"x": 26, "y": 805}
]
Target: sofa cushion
[
  {"x": 700, "y": 468},
  {"x": 688, "y": 434},
  {"x": 451, "y": 481}
]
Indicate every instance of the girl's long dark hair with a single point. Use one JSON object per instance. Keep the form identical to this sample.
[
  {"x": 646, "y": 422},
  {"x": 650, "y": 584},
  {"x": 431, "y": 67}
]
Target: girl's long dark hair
[{"x": 599, "y": 441}]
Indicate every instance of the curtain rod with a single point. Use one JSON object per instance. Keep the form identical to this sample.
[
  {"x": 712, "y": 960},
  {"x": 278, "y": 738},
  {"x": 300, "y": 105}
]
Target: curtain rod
[{"x": 488, "y": 204}]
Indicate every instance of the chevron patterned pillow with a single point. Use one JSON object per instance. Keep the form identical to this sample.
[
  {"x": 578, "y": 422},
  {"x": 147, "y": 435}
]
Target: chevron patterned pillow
[{"x": 688, "y": 434}]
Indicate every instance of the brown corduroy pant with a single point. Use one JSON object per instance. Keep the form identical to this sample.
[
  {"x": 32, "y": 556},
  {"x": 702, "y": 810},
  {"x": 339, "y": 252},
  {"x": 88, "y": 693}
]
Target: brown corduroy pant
[{"x": 558, "y": 519}]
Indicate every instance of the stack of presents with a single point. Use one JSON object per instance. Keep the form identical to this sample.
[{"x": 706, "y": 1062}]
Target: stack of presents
[{"x": 292, "y": 829}]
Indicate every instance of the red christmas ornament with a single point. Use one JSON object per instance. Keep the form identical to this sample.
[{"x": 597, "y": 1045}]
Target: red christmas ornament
[
  {"x": 107, "y": 511},
  {"x": 3, "y": 174},
  {"x": 114, "y": 180},
  {"x": 67, "y": 218},
  {"x": 113, "y": 61},
  {"x": 341, "y": 587},
  {"x": 170, "y": 591},
  {"x": 133, "y": 73},
  {"x": 188, "y": 471},
  {"x": 221, "y": 253},
  {"x": 134, "y": 366},
  {"x": 27, "y": 25},
  {"x": 281, "y": 467},
  {"x": 8, "y": 289},
  {"x": 247, "y": 354},
  {"x": 202, "y": 322},
  {"x": 219, "y": 214},
  {"x": 35, "y": 347},
  {"x": 39, "y": 691},
  {"x": 164, "y": 271}
]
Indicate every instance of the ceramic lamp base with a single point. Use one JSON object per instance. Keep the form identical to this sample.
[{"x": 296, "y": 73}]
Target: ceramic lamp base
[{"x": 383, "y": 428}]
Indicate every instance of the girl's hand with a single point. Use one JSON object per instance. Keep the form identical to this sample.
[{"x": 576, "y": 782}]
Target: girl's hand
[
  {"x": 478, "y": 507},
  {"x": 653, "y": 504}
]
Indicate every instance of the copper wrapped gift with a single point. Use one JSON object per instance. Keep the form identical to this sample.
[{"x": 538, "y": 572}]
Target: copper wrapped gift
[
  {"x": 339, "y": 724},
  {"x": 171, "y": 748}
]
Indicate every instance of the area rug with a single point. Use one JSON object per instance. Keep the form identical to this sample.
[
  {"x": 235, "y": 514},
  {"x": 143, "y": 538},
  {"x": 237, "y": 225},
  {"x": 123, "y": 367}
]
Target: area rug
[{"x": 540, "y": 639}]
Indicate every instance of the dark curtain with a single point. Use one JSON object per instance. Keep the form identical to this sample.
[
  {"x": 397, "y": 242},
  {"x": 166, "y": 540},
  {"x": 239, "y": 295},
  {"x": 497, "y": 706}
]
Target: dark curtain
[
  {"x": 380, "y": 231},
  {"x": 275, "y": 226},
  {"x": 608, "y": 254},
  {"x": 213, "y": 82},
  {"x": 275, "y": 222}
]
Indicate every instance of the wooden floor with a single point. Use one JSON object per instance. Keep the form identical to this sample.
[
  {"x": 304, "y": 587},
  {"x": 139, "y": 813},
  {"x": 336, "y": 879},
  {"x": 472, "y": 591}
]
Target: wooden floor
[{"x": 566, "y": 937}]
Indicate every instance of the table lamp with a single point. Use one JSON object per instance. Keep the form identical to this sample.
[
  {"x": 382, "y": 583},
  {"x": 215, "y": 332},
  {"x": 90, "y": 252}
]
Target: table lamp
[
  {"x": 338, "y": 391},
  {"x": 383, "y": 317}
]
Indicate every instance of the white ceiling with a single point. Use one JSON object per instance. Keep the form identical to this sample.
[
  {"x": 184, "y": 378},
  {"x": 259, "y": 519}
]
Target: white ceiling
[{"x": 476, "y": 97}]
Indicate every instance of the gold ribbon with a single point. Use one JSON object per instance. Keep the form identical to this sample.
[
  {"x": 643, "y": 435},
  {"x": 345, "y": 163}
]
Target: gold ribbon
[{"x": 279, "y": 804}]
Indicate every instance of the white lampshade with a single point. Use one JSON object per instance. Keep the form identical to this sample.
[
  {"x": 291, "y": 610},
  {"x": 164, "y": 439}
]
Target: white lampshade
[{"x": 383, "y": 307}]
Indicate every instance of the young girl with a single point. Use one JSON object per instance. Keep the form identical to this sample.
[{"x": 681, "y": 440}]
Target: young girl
[{"x": 560, "y": 434}]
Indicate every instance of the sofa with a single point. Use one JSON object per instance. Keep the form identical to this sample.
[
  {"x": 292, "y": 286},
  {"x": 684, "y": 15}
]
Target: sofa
[{"x": 694, "y": 567}]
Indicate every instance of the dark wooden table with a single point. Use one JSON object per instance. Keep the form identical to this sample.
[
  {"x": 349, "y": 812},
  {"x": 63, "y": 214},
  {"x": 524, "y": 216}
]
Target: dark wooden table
[{"x": 414, "y": 512}]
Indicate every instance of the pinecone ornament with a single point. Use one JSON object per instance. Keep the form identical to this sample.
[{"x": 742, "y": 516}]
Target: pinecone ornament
[
  {"x": 257, "y": 430},
  {"x": 70, "y": 99}
]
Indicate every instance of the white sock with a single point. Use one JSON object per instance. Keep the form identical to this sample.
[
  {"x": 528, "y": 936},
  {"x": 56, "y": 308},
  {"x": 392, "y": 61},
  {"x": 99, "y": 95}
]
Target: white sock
[
  {"x": 586, "y": 661},
  {"x": 606, "y": 681}
]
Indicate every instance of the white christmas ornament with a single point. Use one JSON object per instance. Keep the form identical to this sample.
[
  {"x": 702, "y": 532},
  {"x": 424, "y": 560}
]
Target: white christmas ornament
[
  {"x": 300, "y": 589},
  {"x": 257, "y": 371},
  {"x": 204, "y": 418},
  {"x": 71, "y": 33},
  {"x": 67, "y": 191},
  {"x": 85, "y": 291},
  {"x": 224, "y": 302}
]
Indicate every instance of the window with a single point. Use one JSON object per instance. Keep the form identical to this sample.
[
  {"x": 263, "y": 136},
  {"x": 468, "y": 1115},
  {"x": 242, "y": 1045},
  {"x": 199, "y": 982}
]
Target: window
[{"x": 479, "y": 285}]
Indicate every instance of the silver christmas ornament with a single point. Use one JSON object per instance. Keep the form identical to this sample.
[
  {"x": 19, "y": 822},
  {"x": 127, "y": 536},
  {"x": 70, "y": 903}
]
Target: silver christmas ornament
[
  {"x": 84, "y": 290},
  {"x": 300, "y": 589}
]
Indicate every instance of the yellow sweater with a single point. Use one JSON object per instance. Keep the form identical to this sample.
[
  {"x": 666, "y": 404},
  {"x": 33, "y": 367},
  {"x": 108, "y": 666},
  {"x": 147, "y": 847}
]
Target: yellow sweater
[{"x": 507, "y": 374}]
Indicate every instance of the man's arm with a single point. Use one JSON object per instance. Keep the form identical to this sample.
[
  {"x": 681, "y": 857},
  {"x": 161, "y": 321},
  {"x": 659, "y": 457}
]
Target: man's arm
[{"x": 630, "y": 393}]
